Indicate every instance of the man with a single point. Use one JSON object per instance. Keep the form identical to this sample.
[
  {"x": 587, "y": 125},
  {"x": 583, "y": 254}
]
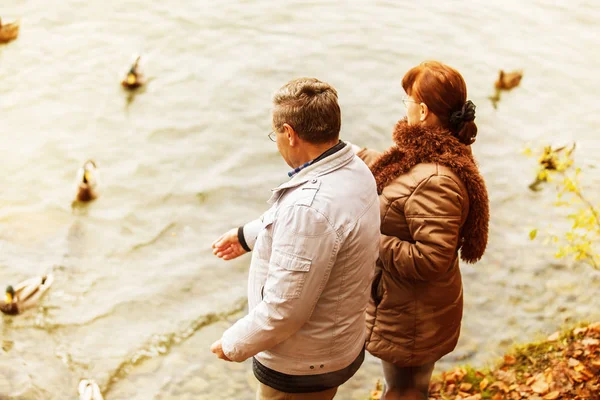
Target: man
[{"x": 314, "y": 253}]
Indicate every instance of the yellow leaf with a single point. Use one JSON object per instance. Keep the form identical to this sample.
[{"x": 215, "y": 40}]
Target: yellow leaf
[
  {"x": 530, "y": 381},
  {"x": 579, "y": 367},
  {"x": 465, "y": 387},
  {"x": 376, "y": 395},
  {"x": 533, "y": 234},
  {"x": 483, "y": 384},
  {"x": 552, "y": 395}
]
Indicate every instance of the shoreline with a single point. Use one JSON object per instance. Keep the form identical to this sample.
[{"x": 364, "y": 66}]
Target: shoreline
[{"x": 566, "y": 365}]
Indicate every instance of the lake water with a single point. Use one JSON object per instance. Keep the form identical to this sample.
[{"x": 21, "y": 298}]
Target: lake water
[{"x": 138, "y": 297}]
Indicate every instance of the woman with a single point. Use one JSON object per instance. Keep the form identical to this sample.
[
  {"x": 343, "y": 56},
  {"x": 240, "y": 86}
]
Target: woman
[{"x": 433, "y": 203}]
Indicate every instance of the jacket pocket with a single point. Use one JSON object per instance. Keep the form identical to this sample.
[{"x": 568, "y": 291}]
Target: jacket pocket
[
  {"x": 264, "y": 240},
  {"x": 377, "y": 287},
  {"x": 287, "y": 274}
]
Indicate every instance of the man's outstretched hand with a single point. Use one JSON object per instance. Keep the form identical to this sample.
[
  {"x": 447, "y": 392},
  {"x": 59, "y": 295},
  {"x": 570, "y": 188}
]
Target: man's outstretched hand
[
  {"x": 217, "y": 348},
  {"x": 228, "y": 246}
]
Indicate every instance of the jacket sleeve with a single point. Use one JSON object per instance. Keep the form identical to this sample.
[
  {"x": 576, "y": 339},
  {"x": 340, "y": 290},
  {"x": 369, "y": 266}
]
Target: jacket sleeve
[
  {"x": 248, "y": 234},
  {"x": 368, "y": 156},
  {"x": 305, "y": 247},
  {"x": 433, "y": 213}
]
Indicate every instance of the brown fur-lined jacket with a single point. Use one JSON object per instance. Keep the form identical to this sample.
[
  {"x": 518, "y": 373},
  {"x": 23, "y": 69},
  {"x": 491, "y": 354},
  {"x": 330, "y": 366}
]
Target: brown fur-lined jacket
[{"x": 433, "y": 204}]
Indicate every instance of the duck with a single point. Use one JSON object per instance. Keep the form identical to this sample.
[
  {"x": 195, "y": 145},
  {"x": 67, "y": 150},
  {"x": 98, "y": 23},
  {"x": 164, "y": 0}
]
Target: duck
[
  {"x": 87, "y": 181},
  {"x": 89, "y": 390},
  {"x": 508, "y": 80},
  {"x": 26, "y": 294},
  {"x": 134, "y": 78},
  {"x": 9, "y": 31}
]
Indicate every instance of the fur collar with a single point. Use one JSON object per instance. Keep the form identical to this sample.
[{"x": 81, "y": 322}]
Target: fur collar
[{"x": 416, "y": 145}]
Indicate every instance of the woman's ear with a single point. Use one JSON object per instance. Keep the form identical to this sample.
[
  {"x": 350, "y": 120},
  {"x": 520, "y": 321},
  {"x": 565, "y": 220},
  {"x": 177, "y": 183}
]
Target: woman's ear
[{"x": 423, "y": 112}]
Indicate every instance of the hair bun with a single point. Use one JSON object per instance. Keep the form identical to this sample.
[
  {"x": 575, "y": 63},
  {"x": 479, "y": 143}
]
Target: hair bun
[{"x": 466, "y": 114}]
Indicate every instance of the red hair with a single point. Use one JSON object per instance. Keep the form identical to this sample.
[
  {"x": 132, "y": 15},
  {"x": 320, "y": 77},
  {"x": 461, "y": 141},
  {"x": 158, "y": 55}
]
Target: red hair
[{"x": 443, "y": 90}]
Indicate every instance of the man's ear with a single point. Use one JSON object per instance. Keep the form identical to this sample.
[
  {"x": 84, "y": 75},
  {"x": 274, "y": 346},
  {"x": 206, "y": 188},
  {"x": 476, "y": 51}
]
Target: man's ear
[{"x": 290, "y": 134}]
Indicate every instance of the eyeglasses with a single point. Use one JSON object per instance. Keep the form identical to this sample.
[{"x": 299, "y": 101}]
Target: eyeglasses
[
  {"x": 272, "y": 136},
  {"x": 406, "y": 100}
]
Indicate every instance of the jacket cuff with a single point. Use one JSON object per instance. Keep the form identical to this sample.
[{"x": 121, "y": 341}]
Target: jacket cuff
[
  {"x": 250, "y": 231},
  {"x": 229, "y": 348},
  {"x": 242, "y": 239}
]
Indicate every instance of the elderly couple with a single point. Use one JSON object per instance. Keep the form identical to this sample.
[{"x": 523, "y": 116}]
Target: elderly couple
[{"x": 360, "y": 253}]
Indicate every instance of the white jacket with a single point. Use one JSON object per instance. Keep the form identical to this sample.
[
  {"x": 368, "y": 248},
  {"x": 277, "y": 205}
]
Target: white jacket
[{"x": 314, "y": 253}]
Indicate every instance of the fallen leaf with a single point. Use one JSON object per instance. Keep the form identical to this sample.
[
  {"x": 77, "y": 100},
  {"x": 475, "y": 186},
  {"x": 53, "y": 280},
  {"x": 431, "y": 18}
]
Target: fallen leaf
[
  {"x": 464, "y": 395},
  {"x": 573, "y": 362},
  {"x": 590, "y": 342},
  {"x": 449, "y": 377},
  {"x": 575, "y": 376},
  {"x": 530, "y": 381},
  {"x": 552, "y": 395},
  {"x": 596, "y": 363},
  {"x": 474, "y": 397},
  {"x": 579, "y": 331},
  {"x": 554, "y": 337},
  {"x": 540, "y": 387},
  {"x": 435, "y": 387},
  {"x": 498, "y": 396},
  {"x": 376, "y": 395},
  {"x": 510, "y": 359},
  {"x": 524, "y": 388},
  {"x": 500, "y": 385},
  {"x": 465, "y": 387},
  {"x": 595, "y": 327},
  {"x": 513, "y": 387},
  {"x": 506, "y": 376},
  {"x": 585, "y": 372},
  {"x": 480, "y": 374},
  {"x": 483, "y": 384},
  {"x": 548, "y": 375}
]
